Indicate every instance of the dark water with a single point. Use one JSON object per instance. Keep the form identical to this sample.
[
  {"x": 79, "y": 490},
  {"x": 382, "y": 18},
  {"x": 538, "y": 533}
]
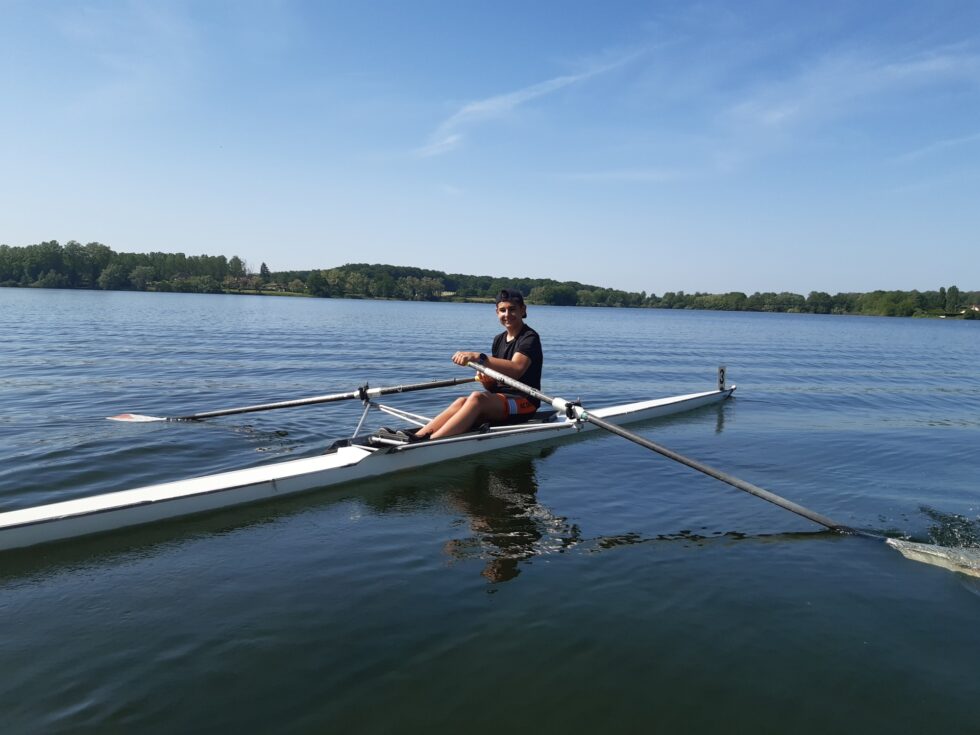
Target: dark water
[{"x": 587, "y": 586}]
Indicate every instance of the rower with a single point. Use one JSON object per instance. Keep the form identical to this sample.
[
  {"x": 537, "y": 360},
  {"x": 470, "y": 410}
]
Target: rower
[{"x": 516, "y": 352}]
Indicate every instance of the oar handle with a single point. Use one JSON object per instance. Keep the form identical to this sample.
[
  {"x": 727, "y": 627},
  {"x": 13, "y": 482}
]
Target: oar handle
[
  {"x": 576, "y": 411},
  {"x": 559, "y": 404}
]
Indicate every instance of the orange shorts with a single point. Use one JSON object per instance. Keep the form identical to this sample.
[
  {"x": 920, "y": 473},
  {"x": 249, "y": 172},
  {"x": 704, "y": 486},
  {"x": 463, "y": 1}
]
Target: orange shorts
[{"x": 516, "y": 405}]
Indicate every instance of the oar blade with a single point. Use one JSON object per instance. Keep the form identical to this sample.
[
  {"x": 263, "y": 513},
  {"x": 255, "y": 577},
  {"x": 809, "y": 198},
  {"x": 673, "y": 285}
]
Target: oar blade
[
  {"x": 135, "y": 418},
  {"x": 962, "y": 560}
]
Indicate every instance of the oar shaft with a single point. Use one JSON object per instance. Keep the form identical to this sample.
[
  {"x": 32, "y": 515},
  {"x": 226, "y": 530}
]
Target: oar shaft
[
  {"x": 266, "y": 406},
  {"x": 719, "y": 475},
  {"x": 581, "y": 414},
  {"x": 350, "y": 395}
]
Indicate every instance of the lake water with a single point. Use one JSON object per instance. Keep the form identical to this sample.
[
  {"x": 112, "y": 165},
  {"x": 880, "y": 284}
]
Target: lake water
[{"x": 587, "y": 586}]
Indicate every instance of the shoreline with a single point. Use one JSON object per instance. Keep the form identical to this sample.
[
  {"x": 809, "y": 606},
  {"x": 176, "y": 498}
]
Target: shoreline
[{"x": 969, "y": 314}]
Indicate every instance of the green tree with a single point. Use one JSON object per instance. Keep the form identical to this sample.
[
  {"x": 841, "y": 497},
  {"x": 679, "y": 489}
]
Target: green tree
[
  {"x": 735, "y": 301},
  {"x": 10, "y": 266},
  {"x": 98, "y": 257},
  {"x": 952, "y": 300},
  {"x": 819, "y": 302},
  {"x": 431, "y": 288},
  {"x": 141, "y": 276},
  {"x": 75, "y": 265},
  {"x": 383, "y": 286},
  {"x": 51, "y": 279},
  {"x": 557, "y": 295},
  {"x": 336, "y": 281},
  {"x": 357, "y": 284},
  {"x": 41, "y": 258},
  {"x": 236, "y": 267},
  {"x": 114, "y": 277},
  {"x": 316, "y": 284}
]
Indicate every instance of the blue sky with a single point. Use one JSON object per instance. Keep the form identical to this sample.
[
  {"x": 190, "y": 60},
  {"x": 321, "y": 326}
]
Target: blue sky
[{"x": 655, "y": 146}]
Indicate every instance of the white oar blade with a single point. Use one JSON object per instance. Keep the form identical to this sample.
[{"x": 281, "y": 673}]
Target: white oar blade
[
  {"x": 962, "y": 560},
  {"x": 135, "y": 418}
]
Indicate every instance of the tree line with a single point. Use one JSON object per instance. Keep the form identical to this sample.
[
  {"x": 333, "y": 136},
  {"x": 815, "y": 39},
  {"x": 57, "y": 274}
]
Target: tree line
[{"x": 96, "y": 266}]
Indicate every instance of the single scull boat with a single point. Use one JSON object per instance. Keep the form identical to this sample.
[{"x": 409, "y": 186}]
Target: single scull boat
[{"x": 347, "y": 460}]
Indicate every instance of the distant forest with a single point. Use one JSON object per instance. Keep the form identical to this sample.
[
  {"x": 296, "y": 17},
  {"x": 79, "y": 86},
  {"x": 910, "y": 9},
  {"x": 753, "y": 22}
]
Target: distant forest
[{"x": 96, "y": 266}]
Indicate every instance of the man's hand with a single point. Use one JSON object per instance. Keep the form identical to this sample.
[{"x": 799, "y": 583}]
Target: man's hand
[
  {"x": 488, "y": 382},
  {"x": 462, "y": 358}
]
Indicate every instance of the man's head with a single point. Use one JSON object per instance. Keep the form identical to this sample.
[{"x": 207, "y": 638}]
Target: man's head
[{"x": 514, "y": 298}]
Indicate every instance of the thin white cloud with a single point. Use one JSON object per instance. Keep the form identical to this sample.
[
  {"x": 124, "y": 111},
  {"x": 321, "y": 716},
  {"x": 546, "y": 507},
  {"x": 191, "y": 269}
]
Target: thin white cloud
[
  {"x": 954, "y": 180},
  {"x": 937, "y": 146},
  {"x": 648, "y": 175},
  {"x": 843, "y": 82},
  {"x": 451, "y": 133}
]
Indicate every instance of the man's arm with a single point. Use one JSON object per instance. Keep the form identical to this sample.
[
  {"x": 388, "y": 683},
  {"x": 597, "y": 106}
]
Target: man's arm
[{"x": 513, "y": 368}]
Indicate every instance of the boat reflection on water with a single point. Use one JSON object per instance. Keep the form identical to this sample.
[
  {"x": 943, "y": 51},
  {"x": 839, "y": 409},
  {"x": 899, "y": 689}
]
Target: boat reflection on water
[{"x": 507, "y": 523}]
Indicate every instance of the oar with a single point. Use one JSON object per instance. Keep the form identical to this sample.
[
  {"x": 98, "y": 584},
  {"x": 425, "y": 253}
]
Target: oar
[
  {"x": 962, "y": 560},
  {"x": 363, "y": 393},
  {"x": 574, "y": 410}
]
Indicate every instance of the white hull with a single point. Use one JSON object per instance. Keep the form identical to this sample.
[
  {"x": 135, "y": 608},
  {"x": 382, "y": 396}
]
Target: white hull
[{"x": 111, "y": 511}]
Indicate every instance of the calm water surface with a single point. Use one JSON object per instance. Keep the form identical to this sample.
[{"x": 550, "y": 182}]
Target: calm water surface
[{"x": 585, "y": 586}]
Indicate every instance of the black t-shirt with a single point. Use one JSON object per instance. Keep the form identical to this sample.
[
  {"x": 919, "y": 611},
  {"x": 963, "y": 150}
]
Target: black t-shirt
[{"x": 528, "y": 343}]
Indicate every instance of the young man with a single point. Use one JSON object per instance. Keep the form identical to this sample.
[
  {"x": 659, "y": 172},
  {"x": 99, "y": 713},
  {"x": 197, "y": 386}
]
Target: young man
[{"x": 517, "y": 354}]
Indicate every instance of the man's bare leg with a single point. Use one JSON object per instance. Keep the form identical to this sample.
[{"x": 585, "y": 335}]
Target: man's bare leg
[
  {"x": 476, "y": 406},
  {"x": 439, "y": 421}
]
